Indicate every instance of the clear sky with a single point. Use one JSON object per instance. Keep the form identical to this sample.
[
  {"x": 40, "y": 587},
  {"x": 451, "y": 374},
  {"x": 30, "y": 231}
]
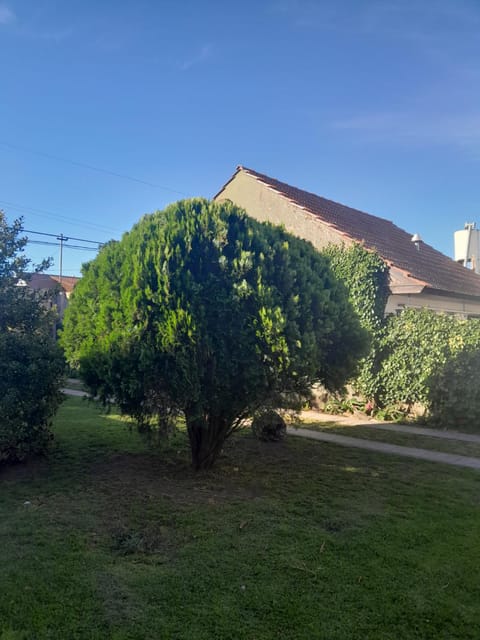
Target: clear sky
[{"x": 375, "y": 104}]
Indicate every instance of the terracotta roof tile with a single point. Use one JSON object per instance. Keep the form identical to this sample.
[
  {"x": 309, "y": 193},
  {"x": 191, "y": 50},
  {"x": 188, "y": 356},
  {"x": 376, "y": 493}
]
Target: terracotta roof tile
[
  {"x": 427, "y": 265},
  {"x": 49, "y": 281}
]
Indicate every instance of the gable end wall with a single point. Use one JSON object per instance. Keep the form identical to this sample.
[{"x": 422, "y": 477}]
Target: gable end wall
[{"x": 265, "y": 205}]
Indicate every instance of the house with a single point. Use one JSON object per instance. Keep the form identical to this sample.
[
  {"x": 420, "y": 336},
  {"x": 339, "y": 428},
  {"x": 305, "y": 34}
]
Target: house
[
  {"x": 420, "y": 276},
  {"x": 61, "y": 286}
]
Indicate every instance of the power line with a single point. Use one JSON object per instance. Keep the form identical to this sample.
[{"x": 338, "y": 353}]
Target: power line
[
  {"x": 64, "y": 242},
  {"x": 58, "y": 244},
  {"x": 50, "y": 214},
  {"x": 60, "y": 235},
  {"x": 90, "y": 167}
]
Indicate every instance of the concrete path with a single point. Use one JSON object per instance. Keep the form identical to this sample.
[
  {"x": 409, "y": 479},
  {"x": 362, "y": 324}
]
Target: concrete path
[
  {"x": 434, "y": 433},
  {"x": 384, "y": 447},
  {"x": 74, "y": 392},
  {"x": 371, "y": 423}
]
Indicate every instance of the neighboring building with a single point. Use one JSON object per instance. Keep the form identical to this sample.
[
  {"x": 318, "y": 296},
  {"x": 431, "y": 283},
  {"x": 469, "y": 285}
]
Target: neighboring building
[
  {"x": 61, "y": 286},
  {"x": 420, "y": 276}
]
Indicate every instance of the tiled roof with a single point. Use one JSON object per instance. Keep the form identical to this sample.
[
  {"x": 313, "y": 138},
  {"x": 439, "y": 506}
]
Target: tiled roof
[
  {"x": 49, "y": 281},
  {"x": 431, "y": 267}
]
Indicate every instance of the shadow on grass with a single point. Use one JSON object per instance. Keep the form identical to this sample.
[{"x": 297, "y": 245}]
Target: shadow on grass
[{"x": 292, "y": 539}]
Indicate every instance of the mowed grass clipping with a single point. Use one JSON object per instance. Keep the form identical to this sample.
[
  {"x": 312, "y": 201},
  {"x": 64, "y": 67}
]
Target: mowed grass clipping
[{"x": 298, "y": 540}]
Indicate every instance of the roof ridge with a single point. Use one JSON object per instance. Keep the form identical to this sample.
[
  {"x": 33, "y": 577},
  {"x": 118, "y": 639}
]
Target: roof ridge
[
  {"x": 428, "y": 265},
  {"x": 315, "y": 195}
]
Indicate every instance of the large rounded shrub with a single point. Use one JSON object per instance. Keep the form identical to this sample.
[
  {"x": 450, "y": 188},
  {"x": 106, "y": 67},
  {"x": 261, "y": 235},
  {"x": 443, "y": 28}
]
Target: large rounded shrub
[{"x": 212, "y": 313}]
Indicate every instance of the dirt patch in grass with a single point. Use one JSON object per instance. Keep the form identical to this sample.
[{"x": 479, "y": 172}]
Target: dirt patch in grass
[{"x": 144, "y": 476}]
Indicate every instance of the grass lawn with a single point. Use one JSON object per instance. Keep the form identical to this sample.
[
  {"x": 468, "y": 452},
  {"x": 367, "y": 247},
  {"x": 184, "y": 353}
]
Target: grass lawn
[
  {"x": 293, "y": 540},
  {"x": 371, "y": 432}
]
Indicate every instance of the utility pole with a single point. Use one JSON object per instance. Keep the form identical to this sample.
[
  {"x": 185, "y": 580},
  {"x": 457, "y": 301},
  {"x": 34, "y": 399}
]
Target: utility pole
[{"x": 62, "y": 239}]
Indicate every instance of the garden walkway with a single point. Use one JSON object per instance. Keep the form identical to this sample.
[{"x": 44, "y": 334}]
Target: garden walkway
[
  {"x": 373, "y": 445},
  {"x": 74, "y": 392},
  {"x": 384, "y": 447},
  {"x": 371, "y": 423}
]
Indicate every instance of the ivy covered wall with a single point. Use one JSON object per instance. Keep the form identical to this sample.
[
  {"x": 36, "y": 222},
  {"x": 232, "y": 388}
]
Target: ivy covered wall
[{"x": 417, "y": 356}]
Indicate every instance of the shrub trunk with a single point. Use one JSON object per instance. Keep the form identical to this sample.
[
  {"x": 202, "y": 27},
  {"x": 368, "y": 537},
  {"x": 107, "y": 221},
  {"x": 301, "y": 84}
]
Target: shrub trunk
[{"x": 207, "y": 435}]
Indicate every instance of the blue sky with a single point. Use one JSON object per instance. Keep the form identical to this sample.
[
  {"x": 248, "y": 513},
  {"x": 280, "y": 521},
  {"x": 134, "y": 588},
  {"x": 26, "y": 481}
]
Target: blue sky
[{"x": 373, "y": 104}]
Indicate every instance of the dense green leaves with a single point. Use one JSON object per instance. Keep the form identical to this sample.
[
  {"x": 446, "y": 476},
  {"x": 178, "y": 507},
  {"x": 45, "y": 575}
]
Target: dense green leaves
[
  {"x": 454, "y": 391},
  {"x": 202, "y": 309},
  {"x": 417, "y": 357},
  {"x": 32, "y": 364},
  {"x": 418, "y": 344},
  {"x": 366, "y": 277}
]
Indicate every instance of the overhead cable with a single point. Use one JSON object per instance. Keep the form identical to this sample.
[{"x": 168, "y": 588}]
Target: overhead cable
[
  {"x": 49, "y": 214},
  {"x": 91, "y": 167}
]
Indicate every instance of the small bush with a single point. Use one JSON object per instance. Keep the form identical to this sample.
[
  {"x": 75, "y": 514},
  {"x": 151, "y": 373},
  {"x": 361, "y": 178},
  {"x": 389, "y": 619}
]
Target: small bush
[
  {"x": 30, "y": 378},
  {"x": 454, "y": 394},
  {"x": 31, "y": 363},
  {"x": 269, "y": 426},
  {"x": 419, "y": 343},
  {"x": 340, "y": 405}
]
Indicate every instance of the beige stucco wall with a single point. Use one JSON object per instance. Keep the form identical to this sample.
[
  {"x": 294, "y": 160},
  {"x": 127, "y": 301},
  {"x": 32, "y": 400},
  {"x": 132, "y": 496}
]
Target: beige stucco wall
[
  {"x": 445, "y": 304},
  {"x": 266, "y": 205}
]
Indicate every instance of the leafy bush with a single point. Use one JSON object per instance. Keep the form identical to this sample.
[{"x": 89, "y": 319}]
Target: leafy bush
[
  {"x": 32, "y": 364},
  {"x": 31, "y": 370},
  {"x": 338, "y": 405},
  {"x": 366, "y": 278},
  {"x": 454, "y": 392},
  {"x": 269, "y": 426},
  {"x": 417, "y": 357},
  {"x": 416, "y": 344},
  {"x": 201, "y": 308}
]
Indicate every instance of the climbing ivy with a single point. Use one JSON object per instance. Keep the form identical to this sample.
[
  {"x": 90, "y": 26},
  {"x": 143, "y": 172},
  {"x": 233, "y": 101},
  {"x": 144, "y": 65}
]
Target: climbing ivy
[
  {"x": 454, "y": 392},
  {"x": 417, "y": 346},
  {"x": 366, "y": 277},
  {"x": 417, "y": 356}
]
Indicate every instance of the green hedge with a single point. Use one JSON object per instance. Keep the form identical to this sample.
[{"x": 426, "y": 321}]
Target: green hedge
[
  {"x": 417, "y": 356},
  {"x": 454, "y": 392},
  {"x": 366, "y": 277},
  {"x": 417, "y": 344}
]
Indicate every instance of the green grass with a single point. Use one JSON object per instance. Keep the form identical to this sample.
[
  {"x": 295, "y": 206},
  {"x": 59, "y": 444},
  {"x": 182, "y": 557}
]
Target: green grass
[
  {"x": 372, "y": 432},
  {"x": 293, "y": 540}
]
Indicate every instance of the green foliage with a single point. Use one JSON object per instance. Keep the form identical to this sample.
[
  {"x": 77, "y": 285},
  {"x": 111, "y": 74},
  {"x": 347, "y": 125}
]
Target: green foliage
[
  {"x": 391, "y": 413},
  {"x": 202, "y": 309},
  {"x": 269, "y": 426},
  {"x": 454, "y": 392},
  {"x": 32, "y": 364},
  {"x": 366, "y": 277},
  {"x": 419, "y": 343},
  {"x": 418, "y": 356},
  {"x": 340, "y": 405}
]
